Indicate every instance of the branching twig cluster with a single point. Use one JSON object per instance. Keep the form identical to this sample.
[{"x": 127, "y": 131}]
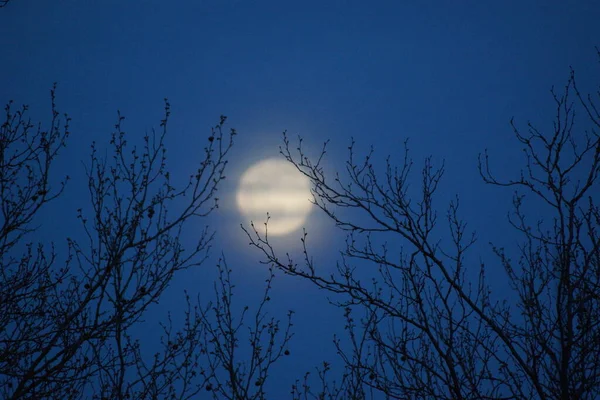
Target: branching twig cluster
[
  {"x": 422, "y": 321},
  {"x": 66, "y": 325}
]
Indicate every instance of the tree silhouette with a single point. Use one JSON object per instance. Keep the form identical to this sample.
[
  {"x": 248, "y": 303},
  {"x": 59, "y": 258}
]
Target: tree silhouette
[
  {"x": 66, "y": 320},
  {"x": 422, "y": 321},
  {"x": 237, "y": 375}
]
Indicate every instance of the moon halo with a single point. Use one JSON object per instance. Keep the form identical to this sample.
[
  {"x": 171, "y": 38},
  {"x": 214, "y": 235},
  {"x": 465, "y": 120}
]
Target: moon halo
[{"x": 276, "y": 187}]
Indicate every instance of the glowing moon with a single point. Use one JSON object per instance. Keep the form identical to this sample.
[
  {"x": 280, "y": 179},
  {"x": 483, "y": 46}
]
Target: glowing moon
[{"x": 276, "y": 187}]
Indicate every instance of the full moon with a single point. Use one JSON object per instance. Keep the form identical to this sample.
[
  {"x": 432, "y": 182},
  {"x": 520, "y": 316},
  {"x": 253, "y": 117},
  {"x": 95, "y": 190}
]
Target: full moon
[{"x": 276, "y": 187}]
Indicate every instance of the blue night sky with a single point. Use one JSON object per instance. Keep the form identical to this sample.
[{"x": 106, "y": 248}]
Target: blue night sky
[{"x": 447, "y": 75}]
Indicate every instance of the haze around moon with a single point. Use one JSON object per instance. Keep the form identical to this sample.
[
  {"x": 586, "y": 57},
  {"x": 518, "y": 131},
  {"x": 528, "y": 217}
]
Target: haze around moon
[{"x": 276, "y": 187}]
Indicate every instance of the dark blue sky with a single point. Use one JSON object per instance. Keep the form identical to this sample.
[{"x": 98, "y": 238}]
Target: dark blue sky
[{"x": 448, "y": 75}]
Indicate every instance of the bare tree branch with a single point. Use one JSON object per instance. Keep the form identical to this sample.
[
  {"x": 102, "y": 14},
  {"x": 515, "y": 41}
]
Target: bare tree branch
[{"x": 422, "y": 321}]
